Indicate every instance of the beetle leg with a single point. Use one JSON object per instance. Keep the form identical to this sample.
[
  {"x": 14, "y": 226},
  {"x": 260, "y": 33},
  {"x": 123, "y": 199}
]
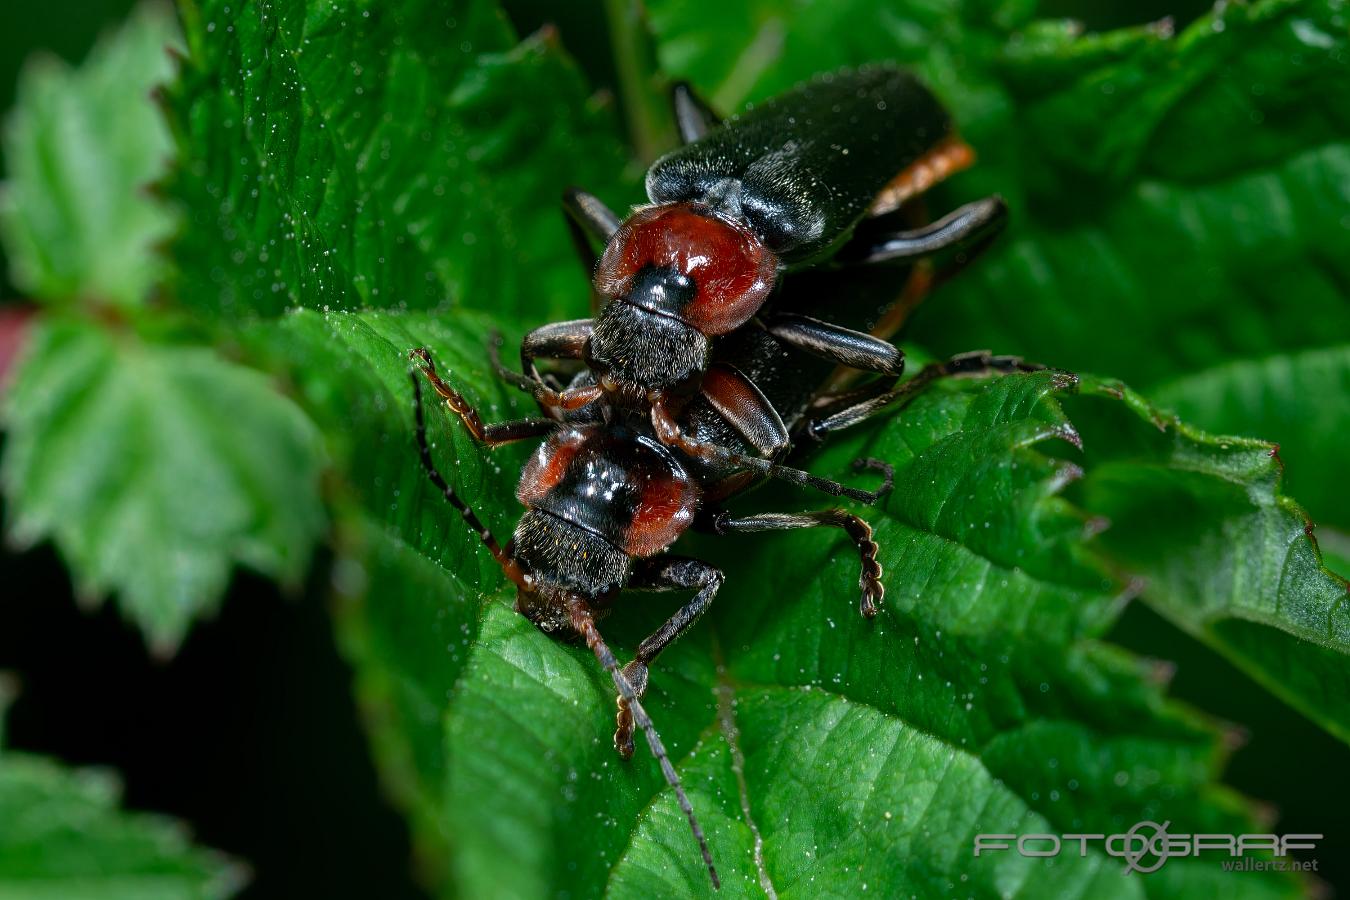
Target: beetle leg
[
  {"x": 976, "y": 363},
  {"x": 745, "y": 408},
  {"x": 509, "y": 566},
  {"x": 838, "y": 344},
  {"x": 590, "y": 213},
  {"x": 552, "y": 400},
  {"x": 828, "y": 403},
  {"x": 583, "y": 623},
  {"x": 510, "y": 376},
  {"x": 588, "y": 219},
  {"x": 557, "y": 340},
  {"x": 968, "y": 226},
  {"x": 663, "y": 573},
  {"x": 670, "y": 434},
  {"x": 869, "y": 579},
  {"x": 693, "y": 117},
  {"x": 493, "y": 435}
]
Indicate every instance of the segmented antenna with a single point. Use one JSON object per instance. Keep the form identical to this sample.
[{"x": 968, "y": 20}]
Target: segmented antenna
[
  {"x": 584, "y": 624},
  {"x": 509, "y": 566}
]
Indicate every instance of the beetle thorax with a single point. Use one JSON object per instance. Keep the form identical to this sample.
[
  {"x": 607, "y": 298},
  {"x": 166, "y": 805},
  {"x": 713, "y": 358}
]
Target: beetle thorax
[
  {"x": 674, "y": 273},
  {"x": 598, "y": 497},
  {"x": 715, "y": 271}
]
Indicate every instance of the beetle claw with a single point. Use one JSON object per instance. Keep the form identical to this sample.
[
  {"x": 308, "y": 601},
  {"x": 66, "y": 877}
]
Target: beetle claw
[
  {"x": 636, "y": 673},
  {"x": 872, "y": 589}
]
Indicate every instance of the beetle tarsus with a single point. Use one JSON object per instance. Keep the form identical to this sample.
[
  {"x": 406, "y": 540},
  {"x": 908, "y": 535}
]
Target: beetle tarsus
[
  {"x": 872, "y": 464},
  {"x": 974, "y": 364},
  {"x": 869, "y": 577},
  {"x": 636, "y": 673},
  {"x": 873, "y": 591}
]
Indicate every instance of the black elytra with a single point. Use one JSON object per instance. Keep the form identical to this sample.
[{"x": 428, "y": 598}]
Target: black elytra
[{"x": 803, "y": 168}]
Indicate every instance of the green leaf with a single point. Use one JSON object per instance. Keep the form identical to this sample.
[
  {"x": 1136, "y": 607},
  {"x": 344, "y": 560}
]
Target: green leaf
[
  {"x": 986, "y": 697},
  {"x": 1335, "y": 551},
  {"x": 398, "y": 597},
  {"x": 1195, "y": 243},
  {"x": 81, "y": 149},
  {"x": 1178, "y": 203},
  {"x": 63, "y": 837},
  {"x": 155, "y": 468},
  {"x": 1239, "y": 570},
  {"x": 1302, "y": 397},
  {"x": 982, "y": 700},
  {"x": 390, "y": 155}
]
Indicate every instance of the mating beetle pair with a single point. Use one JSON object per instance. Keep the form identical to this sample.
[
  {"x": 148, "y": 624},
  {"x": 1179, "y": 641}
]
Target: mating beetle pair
[{"x": 665, "y": 425}]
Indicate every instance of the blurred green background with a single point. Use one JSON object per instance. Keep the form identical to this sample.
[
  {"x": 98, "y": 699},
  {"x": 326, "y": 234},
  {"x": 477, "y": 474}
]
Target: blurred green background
[{"x": 227, "y": 735}]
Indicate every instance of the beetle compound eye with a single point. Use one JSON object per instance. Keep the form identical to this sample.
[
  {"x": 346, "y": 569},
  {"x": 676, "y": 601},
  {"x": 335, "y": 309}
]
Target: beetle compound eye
[{"x": 720, "y": 272}]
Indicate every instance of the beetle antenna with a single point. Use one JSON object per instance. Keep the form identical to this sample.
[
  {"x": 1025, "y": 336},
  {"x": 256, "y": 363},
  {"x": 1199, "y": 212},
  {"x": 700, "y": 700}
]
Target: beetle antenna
[
  {"x": 584, "y": 624},
  {"x": 509, "y": 566}
]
